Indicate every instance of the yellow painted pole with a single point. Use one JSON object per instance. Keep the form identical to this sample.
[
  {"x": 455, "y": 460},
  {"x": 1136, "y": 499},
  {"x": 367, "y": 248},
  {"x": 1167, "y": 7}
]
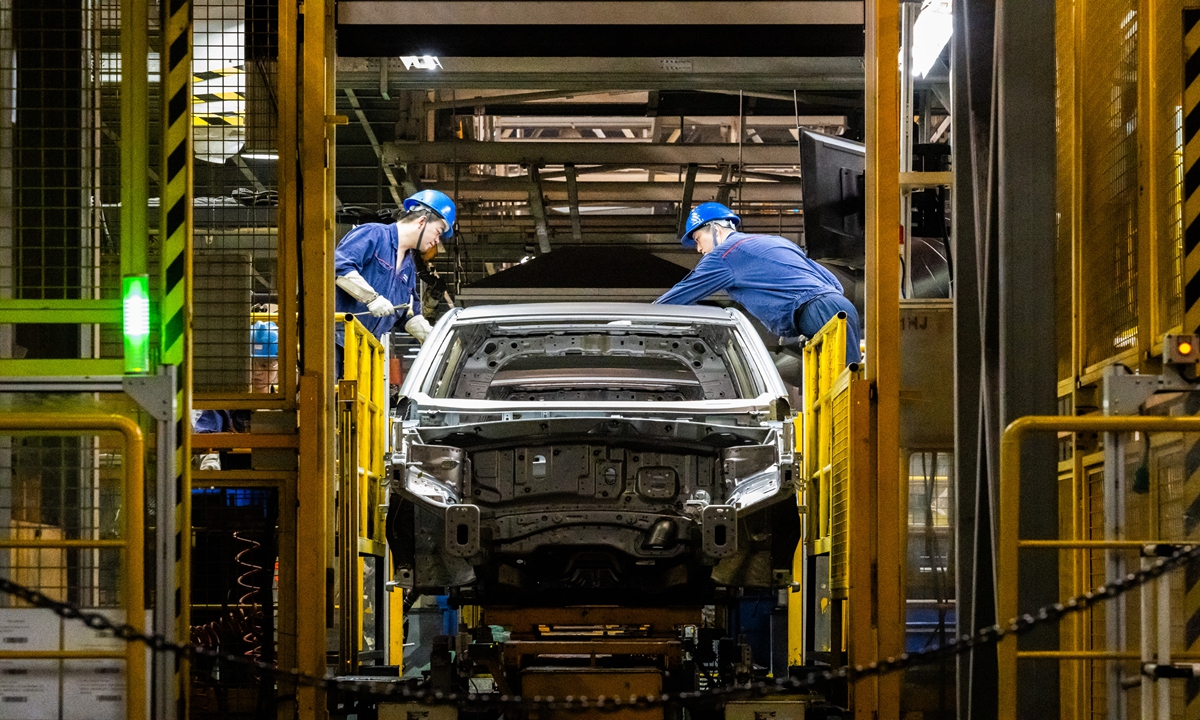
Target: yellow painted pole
[
  {"x": 288, "y": 243},
  {"x": 1149, "y": 129},
  {"x": 882, "y": 696},
  {"x": 314, "y": 488}
]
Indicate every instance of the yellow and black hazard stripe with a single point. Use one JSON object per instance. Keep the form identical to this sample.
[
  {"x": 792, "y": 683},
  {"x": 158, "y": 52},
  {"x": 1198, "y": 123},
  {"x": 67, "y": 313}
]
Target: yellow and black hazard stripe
[
  {"x": 224, "y": 117},
  {"x": 1191, "y": 324},
  {"x": 1191, "y": 170},
  {"x": 206, "y": 75},
  {"x": 201, "y": 98},
  {"x": 175, "y": 233},
  {"x": 220, "y": 119}
]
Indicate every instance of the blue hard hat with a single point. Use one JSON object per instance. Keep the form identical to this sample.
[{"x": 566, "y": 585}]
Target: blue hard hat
[
  {"x": 703, "y": 214},
  {"x": 264, "y": 339},
  {"x": 440, "y": 203}
]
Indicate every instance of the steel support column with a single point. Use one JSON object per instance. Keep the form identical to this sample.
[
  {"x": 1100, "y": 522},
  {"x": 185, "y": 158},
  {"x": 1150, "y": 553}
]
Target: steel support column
[
  {"x": 1005, "y": 325},
  {"x": 1026, "y": 178},
  {"x": 970, "y": 71}
]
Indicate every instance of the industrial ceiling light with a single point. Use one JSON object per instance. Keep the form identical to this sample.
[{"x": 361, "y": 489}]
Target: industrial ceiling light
[
  {"x": 931, "y": 32},
  {"x": 260, "y": 156},
  {"x": 421, "y": 62}
]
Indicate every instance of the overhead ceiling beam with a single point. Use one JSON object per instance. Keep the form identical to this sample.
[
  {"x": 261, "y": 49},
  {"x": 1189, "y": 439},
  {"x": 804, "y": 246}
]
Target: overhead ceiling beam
[
  {"x": 586, "y": 153},
  {"x": 518, "y": 189},
  {"x": 589, "y": 75},
  {"x": 511, "y": 99},
  {"x": 806, "y": 98},
  {"x": 594, "y": 12}
]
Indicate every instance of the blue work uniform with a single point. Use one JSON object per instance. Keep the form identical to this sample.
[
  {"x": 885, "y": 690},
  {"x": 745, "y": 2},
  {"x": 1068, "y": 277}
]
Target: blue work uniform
[
  {"x": 371, "y": 249},
  {"x": 775, "y": 281}
]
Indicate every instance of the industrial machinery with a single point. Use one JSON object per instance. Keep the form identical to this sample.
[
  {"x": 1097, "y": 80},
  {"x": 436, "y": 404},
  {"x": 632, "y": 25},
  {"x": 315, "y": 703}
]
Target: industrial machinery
[{"x": 606, "y": 489}]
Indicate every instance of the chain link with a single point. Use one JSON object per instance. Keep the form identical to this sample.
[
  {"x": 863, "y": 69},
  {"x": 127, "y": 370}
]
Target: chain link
[{"x": 1049, "y": 614}]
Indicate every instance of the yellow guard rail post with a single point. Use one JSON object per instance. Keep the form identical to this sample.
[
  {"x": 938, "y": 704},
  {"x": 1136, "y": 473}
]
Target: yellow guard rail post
[
  {"x": 1010, "y": 541},
  {"x": 824, "y": 362},
  {"x": 832, "y": 440},
  {"x": 132, "y": 542},
  {"x": 363, "y": 439}
]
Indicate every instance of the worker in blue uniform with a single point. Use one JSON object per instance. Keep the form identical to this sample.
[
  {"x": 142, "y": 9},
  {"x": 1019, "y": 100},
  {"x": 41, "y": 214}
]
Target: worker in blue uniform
[
  {"x": 376, "y": 270},
  {"x": 770, "y": 276}
]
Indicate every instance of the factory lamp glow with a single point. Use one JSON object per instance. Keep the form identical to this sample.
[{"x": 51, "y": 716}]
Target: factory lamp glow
[
  {"x": 135, "y": 303},
  {"x": 931, "y": 32}
]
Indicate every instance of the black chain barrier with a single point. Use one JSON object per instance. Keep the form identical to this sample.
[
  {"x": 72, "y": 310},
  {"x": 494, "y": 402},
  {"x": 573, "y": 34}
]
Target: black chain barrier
[{"x": 1172, "y": 557}]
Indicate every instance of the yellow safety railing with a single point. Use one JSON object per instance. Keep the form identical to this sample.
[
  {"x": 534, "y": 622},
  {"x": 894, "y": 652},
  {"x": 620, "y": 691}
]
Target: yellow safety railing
[
  {"x": 824, "y": 436},
  {"x": 824, "y": 362},
  {"x": 131, "y": 542},
  {"x": 1010, "y": 542},
  {"x": 363, "y": 439}
]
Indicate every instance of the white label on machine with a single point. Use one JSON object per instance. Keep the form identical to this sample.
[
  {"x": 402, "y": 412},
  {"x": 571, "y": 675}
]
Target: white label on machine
[
  {"x": 29, "y": 689},
  {"x": 93, "y": 690},
  {"x": 29, "y": 629}
]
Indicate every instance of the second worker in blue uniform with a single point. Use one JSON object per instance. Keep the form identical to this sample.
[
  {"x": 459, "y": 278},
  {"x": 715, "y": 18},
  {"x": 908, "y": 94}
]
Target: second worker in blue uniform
[{"x": 769, "y": 275}]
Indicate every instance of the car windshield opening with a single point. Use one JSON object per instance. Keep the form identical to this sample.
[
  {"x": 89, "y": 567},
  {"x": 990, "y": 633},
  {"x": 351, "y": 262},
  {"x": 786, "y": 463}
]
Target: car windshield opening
[{"x": 592, "y": 363}]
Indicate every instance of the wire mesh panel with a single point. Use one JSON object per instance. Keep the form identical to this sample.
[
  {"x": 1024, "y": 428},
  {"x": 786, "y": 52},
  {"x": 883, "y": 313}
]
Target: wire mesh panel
[
  {"x": 236, "y": 257},
  {"x": 61, "y": 176},
  {"x": 59, "y": 167},
  {"x": 1065, "y": 123},
  {"x": 1108, "y": 124},
  {"x": 1172, "y": 509},
  {"x": 839, "y": 485},
  {"x": 1097, "y": 672},
  {"x": 234, "y": 597},
  {"x": 62, "y": 488},
  {"x": 1166, "y": 161}
]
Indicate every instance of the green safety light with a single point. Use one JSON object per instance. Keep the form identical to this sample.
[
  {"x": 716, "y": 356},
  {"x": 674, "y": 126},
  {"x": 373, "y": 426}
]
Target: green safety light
[{"x": 135, "y": 302}]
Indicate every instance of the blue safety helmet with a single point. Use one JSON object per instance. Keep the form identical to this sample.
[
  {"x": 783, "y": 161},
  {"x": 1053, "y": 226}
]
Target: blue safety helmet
[
  {"x": 703, "y": 214},
  {"x": 264, "y": 339},
  {"x": 439, "y": 203}
]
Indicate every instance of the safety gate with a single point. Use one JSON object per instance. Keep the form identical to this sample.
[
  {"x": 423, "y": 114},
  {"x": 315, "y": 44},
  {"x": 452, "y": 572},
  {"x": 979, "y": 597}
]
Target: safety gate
[{"x": 38, "y": 541}]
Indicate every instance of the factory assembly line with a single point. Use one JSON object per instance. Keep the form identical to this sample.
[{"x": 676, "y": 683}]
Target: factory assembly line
[{"x": 524, "y": 360}]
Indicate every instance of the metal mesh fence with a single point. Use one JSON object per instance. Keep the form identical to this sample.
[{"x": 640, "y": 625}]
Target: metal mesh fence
[
  {"x": 234, "y": 597},
  {"x": 1108, "y": 125},
  {"x": 234, "y": 132},
  {"x": 62, "y": 488},
  {"x": 1166, "y": 162},
  {"x": 1170, "y": 477},
  {"x": 1097, "y": 679},
  {"x": 60, "y": 166},
  {"x": 1064, "y": 103}
]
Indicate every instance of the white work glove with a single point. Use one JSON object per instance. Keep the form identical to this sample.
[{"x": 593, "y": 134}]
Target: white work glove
[
  {"x": 418, "y": 327},
  {"x": 381, "y": 306},
  {"x": 358, "y": 287}
]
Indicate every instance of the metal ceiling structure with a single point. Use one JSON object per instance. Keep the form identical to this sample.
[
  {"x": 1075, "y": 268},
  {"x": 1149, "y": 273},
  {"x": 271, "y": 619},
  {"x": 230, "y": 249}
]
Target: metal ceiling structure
[{"x": 546, "y": 144}]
